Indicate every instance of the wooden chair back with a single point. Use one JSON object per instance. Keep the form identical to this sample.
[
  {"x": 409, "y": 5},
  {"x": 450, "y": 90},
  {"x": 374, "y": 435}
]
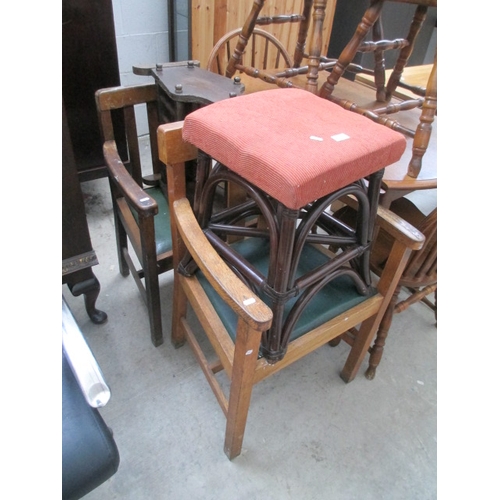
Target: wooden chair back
[
  {"x": 421, "y": 269},
  {"x": 128, "y": 101},
  {"x": 263, "y": 51}
]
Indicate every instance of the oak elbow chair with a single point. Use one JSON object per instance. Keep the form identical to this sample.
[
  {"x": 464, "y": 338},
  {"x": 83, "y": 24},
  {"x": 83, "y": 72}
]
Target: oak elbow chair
[
  {"x": 258, "y": 275},
  {"x": 139, "y": 194}
]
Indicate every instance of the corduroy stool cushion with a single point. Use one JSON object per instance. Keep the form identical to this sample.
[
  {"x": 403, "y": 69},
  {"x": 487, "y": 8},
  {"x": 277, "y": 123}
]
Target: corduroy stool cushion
[{"x": 292, "y": 144}]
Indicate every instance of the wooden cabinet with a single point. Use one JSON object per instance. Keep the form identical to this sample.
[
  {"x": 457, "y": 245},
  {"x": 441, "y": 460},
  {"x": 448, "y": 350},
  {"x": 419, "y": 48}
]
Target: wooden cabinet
[
  {"x": 78, "y": 256},
  {"x": 89, "y": 63}
]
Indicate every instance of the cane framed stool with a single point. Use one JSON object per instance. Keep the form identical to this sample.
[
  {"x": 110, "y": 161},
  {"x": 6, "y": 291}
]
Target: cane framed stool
[{"x": 294, "y": 154}]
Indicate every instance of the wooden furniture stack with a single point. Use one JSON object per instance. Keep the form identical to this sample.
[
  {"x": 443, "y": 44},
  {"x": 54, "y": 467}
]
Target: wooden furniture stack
[{"x": 237, "y": 299}]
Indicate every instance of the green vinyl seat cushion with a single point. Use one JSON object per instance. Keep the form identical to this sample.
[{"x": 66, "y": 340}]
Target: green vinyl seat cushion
[
  {"x": 163, "y": 234},
  {"x": 333, "y": 299}
]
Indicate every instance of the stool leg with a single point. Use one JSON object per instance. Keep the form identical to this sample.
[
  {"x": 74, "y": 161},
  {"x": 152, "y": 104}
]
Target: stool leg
[{"x": 280, "y": 281}]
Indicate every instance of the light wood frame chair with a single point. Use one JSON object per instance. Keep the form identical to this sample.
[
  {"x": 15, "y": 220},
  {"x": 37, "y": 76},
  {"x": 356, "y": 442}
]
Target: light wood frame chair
[{"x": 239, "y": 358}]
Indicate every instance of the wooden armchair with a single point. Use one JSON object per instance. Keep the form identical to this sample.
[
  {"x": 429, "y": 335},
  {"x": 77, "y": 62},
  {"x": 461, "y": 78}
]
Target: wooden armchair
[
  {"x": 234, "y": 313},
  {"x": 419, "y": 276},
  {"x": 139, "y": 194},
  {"x": 240, "y": 358}
]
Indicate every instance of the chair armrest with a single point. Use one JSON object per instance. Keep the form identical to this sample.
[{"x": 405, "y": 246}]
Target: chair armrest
[
  {"x": 248, "y": 306},
  {"x": 133, "y": 193},
  {"x": 83, "y": 363},
  {"x": 400, "y": 229}
]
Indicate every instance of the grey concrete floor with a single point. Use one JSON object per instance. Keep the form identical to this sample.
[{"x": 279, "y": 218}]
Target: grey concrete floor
[{"x": 309, "y": 435}]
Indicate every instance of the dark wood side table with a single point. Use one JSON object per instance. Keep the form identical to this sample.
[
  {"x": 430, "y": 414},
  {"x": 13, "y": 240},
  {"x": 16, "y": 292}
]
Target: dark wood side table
[{"x": 78, "y": 256}]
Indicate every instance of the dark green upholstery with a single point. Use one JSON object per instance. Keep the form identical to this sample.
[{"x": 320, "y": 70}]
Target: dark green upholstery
[
  {"x": 333, "y": 299},
  {"x": 162, "y": 221}
]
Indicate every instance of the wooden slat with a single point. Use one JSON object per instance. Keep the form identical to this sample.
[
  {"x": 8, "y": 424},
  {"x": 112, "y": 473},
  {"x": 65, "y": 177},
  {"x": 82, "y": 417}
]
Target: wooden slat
[{"x": 205, "y": 367}]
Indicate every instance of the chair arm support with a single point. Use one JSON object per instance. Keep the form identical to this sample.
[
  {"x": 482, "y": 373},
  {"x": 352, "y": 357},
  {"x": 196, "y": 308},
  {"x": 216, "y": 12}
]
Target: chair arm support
[
  {"x": 248, "y": 306},
  {"x": 133, "y": 193}
]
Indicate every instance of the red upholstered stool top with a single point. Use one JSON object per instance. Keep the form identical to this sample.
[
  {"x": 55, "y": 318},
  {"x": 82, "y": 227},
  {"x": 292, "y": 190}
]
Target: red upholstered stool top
[{"x": 292, "y": 144}]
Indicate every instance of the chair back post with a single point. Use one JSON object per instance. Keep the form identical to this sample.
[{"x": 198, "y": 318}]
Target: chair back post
[{"x": 174, "y": 152}]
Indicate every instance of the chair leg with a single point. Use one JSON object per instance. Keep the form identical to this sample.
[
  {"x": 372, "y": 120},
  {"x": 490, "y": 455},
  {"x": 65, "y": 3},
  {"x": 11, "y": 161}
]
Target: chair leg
[
  {"x": 244, "y": 36},
  {"x": 121, "y": 236},
  {"x": 405, "y": 52},
  {"x": 154, "y": 309},
  {"x": 359, "y": 348},
  {"x": 350, "y": 50},
  {"x": 416, "y": 296},
  {"x": 151, "y": 282},
  {"x": 179, "y": 310},
  {"x": 245, "y": 358},
  {"x": 377, "y": 349}
]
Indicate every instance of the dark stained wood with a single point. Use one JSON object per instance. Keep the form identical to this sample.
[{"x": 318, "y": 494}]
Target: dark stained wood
[
  {"x": 89, "y": 63},
  {"x": 129, "y": 194},
  {"x": 78, "y": 255}
]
